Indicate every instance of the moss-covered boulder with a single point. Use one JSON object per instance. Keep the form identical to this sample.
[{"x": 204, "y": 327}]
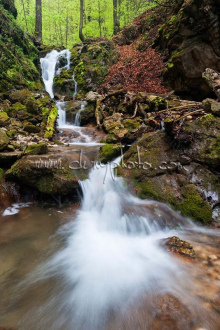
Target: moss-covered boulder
[
  {"x": 18, "y": 53},
  {"x": 49, "y": 174},
  {"x": 182, "y": 176},
  {"x": 3, "y": 119},
  {"x": 36, "y": 149},
  {"x": 110, "y": 151},
  {"x": 4, "y": 140},
  {"x": 90, "y": 62},
  {"x": 64, "y": 83},
  {"x": 190, "y": 40}
]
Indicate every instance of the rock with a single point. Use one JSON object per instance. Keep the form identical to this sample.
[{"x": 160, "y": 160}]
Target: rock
[
  {"x": 64, "y": 83},
  {"x": 3, "y": 118},
  {"x": 49, "y": 174},
  {"x": 31, "y": 129},
  {"x": 37, "y": 149},
  {"x": 170, "y": 174},
  {"x": 176, "y": 245},
  {"x": 51, "y": 121},
  {"x": 188, "y": 54},
  {"x": 211, "y": 106},
  {"x": 212, "y": 77},
  {"x": 4, "y": 140},
  {"x": 91, "y": 60},
  {"x": 127, "y": 35},
  {"x": 92, "y": 96},
  {"x": 110, "y": 151}
]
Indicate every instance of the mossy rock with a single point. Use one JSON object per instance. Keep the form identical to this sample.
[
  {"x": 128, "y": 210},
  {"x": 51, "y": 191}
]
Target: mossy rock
[
  {"x": 36, "y": 149},
  {"x": 3, "y": 118},
  {"x": 51, "y": 121},
  {"x": 31, "y": 129},
  {"x": 4, "y": 140},
  {"x": 109, "y": 151},
  {"x": 91, "y": 61},
  {"x": 49, "y": 174}
]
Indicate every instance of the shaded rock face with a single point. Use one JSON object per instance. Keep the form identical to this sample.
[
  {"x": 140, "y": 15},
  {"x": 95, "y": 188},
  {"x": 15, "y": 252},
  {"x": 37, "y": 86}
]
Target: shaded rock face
[
  {"x": 127, "y": 35},
  {"x": 184, "y": 176},
  {"x": 18, "y": 53},
  {"x": 190, "y": 39},
  {"x": 49, "y": 174}
]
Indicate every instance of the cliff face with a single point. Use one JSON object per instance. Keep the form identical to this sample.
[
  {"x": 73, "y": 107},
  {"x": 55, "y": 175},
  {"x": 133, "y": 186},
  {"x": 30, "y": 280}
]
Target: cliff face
[
  {"x": 190, "y": 40},
  {"x": 17, "y": 53}
]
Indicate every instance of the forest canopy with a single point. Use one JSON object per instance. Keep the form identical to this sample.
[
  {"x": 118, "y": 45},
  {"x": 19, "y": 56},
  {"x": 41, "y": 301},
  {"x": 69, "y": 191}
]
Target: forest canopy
[{"x": 60, "y": 19}]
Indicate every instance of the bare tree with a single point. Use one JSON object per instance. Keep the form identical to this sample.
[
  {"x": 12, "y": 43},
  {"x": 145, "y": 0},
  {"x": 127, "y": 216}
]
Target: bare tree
[
  {"x": 81, "y": 36},
  {"x": 38, "y": 20}
]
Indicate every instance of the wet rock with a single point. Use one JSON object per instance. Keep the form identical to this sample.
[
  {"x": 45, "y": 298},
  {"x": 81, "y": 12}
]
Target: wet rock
[
  {"x": 49, "y": 174},
  {"x": 176, "y": 245},
  {"x": 166, "y": 173},
  {"x": 4, "y": 140},
  {"x": 37, "y": 149},
  {"x": 110, "y": 151}
]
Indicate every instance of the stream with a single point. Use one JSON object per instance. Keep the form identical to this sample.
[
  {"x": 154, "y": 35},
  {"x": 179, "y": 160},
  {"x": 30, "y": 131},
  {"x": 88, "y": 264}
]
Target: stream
[{"x": 98, "y": 264}]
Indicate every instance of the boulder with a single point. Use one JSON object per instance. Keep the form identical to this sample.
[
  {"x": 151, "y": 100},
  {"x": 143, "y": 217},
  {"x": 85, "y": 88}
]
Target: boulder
[
  {"x": 190, "y": 40},
  {"x": 211, "y": 106},
  {"x": 49, "y": 174},
  {"x": 110, "y": 151},
  {"x": 4, "y": 140},
  {"x": 183, "y": 175},
  {"x": 3, "y": 118}
]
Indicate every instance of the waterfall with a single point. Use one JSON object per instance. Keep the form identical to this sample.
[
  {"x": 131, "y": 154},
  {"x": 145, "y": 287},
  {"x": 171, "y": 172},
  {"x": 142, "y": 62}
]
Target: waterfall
[
  {"x": 49, "y": 70},
  {"x": 77, "y": 117},
  {"x": 112, "y": 257}
]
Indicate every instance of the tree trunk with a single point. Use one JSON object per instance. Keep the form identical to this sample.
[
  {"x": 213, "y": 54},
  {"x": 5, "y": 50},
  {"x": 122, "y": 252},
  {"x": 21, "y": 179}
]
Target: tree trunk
[
  {"x": 115, "y": 17},
  {"x": 38, "y": 20},
  {"x": 81, "y": 36}
]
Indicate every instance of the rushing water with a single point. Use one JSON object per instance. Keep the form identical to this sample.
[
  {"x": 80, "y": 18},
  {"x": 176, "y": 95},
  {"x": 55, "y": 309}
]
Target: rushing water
[{"x": 109, "y": 270}]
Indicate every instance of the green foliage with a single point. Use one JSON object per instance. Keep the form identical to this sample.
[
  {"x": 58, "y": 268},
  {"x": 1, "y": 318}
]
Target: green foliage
[{"x": 61, "y": 19}]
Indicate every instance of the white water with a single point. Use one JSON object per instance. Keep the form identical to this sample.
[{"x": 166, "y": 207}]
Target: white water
[
  {"x": 111, "y": 258},
  {"x": 50, "y": 67},
  {"x": 49, "y": 70}
]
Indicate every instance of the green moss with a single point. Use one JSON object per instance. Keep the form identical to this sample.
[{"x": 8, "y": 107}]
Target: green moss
[
  {"x": 109, "y": 151},
  {"x": 1, "y": 175},
  {"x": 194, "y": 206},
  {"x": 51, "y": 123},
  {"x": 36, "y": 149},
  {"x": 3, "y": 118}
]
